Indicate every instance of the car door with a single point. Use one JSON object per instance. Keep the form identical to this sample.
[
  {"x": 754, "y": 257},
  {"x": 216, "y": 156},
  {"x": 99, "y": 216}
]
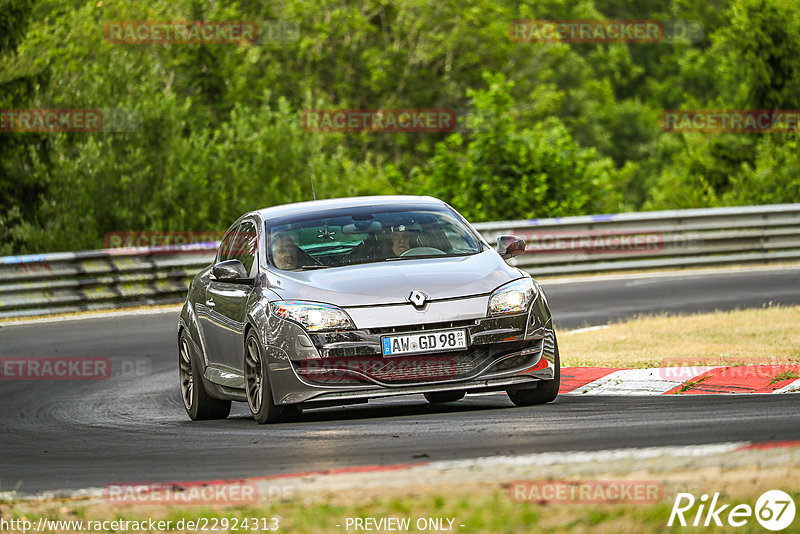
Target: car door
[
  {"x": 204, "y": 308},
  {"x": 227, "y": 302}
]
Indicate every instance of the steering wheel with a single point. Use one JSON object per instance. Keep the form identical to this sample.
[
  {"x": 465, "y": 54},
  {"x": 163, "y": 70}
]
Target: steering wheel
[{"x": 422, "y": 251}]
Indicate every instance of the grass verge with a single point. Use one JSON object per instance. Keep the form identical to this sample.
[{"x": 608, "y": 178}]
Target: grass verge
[
  {"x": 485, "y": 512},
  {"x": 741, "y": 337}
]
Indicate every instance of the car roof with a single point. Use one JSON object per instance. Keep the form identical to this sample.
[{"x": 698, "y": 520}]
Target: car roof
[{"x": 302, "y": 208}]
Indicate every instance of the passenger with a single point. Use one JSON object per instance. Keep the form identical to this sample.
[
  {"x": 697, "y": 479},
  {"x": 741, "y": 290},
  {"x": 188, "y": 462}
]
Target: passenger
[
  {"x": 284, "y": 252},
  {"x": 390, "y": 243}
]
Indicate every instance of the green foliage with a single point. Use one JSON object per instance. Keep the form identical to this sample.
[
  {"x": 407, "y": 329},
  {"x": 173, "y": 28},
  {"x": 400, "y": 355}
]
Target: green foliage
[
  {"x": 755, "y": 57},
  {"x": 19, "y": 191},
  {"x": 764, "y": 43},
  {"x": 774, "y": 177},
  {"x": 506, "y": 171},
  {"x": 555, "y": 128}
]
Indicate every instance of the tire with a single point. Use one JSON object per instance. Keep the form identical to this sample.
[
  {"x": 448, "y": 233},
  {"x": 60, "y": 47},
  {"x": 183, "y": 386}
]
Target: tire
[
  {"x": 198, "y": 403},
  {"x": 438, "y": 397},
  {"x": 257, "y": 387},
  {"x": 545, "y": 391}
]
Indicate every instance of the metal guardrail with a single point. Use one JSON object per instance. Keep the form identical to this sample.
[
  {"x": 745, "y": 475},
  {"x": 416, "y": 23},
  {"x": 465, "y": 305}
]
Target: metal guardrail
[
  {"x": 74, "y": 281},
  {"x": 658, "y": 239}
]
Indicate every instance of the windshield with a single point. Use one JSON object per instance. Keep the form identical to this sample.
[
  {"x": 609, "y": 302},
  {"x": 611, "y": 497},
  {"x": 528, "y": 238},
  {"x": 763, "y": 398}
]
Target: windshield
[{"x": 365, "y": 235}]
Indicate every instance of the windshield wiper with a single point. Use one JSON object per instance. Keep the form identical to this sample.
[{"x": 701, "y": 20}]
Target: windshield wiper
[
  {"x": 421, "y": 257},
  {"x": 313, "y": 267}
]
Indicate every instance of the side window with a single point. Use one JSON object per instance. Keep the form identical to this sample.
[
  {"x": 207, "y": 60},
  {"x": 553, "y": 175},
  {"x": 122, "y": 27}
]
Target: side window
[
  {"x": 244, "y": 245},
  {"x": 223, "y": 253}
]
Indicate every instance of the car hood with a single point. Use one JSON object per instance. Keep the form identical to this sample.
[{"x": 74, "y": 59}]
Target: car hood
[{"x": 392, "y": 282}]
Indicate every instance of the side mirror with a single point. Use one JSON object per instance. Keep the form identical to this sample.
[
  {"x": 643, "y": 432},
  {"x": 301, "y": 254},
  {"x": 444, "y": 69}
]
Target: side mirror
[
  {"x": 509, "y": 246},
  {"x": 229, "y": 271}
]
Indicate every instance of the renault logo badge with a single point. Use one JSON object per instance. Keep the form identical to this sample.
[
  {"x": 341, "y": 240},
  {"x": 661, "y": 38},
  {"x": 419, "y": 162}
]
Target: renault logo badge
[{"x": 417, "y": 298}]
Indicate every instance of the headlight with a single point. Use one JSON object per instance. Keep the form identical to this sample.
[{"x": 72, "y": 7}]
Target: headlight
[
  {"x": 514, "y": 297},
  {"x": 313, "y": 316}
]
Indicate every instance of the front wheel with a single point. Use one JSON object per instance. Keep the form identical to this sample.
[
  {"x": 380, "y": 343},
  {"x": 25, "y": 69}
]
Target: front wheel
[
  {"x": 545, "y": 390},
  {"x": 198, "y": 403},
  {"x": 259, "y": 392}
]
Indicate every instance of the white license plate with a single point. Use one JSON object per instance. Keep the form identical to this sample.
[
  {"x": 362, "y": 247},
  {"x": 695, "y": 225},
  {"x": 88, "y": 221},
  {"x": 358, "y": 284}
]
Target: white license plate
[{"x": 424, "y": 342}]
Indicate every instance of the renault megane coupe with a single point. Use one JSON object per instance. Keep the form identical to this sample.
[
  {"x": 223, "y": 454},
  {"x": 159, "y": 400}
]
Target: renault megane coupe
[{"x": 340, "y": 301}]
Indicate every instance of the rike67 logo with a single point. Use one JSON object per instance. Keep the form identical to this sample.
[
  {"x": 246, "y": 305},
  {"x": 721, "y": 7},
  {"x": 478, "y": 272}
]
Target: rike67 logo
[{"x": 774, "y": 510}]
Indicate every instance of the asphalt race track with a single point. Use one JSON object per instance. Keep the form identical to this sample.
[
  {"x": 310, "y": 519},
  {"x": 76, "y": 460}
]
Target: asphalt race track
[{"x": 132, "y": 426}]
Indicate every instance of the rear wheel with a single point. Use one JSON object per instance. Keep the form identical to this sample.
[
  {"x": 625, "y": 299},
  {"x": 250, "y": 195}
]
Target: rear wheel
[
  {"x": 259, "y": 392},
  {"x": 198, "y": 403},
  {"x": 545, "y": 391},
  {"x": 438, "y": 397}
]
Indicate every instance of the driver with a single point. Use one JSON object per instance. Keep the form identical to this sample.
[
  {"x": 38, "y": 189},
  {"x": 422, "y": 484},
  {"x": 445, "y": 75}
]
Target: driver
[{"x": 401, "y": 239}]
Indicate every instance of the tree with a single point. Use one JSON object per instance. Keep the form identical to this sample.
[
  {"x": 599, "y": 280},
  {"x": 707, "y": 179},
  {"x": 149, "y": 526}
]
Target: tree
[
  {"x": 19, "y": 190},
  {"x": 504, "y": 171}
]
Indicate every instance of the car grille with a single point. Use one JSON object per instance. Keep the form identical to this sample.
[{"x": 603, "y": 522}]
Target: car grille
[
  {"x": 421, "y": 327},
  {"x": 511, "y": 363},
  {"x": 411, "y": 369},
  {"x": 521, "y": 361}
]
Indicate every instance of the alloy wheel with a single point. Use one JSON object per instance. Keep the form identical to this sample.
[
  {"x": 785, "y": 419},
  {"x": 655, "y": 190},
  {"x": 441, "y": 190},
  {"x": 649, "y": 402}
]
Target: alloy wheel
[
  {"x": 185, "y": 373},
  {"x": 254, "y": 376}
]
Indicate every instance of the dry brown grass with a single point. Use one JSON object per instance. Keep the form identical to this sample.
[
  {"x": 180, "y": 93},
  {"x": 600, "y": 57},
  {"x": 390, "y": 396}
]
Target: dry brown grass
[{"x": 755, "y": 336}]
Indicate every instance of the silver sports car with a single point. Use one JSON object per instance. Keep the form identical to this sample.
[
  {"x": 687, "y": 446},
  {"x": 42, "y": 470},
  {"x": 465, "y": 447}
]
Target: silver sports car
[{"x": 341, "y": 301}]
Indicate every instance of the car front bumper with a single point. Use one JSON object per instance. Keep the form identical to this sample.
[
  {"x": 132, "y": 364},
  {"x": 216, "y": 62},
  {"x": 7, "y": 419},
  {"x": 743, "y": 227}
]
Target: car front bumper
[{"x": 506, "y": 352}]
